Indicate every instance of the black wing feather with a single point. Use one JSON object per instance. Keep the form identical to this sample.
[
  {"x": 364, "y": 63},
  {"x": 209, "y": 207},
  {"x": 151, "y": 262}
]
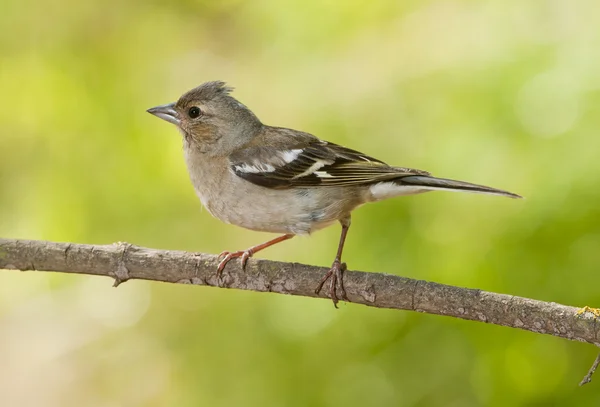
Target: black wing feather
[{"x": 318, "y": 163}]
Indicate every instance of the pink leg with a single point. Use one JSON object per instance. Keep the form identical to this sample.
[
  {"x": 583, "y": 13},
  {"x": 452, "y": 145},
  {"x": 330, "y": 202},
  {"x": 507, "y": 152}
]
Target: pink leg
[
  {"x": 246, "y": 254},
  {"x": 336, "y": 270}
]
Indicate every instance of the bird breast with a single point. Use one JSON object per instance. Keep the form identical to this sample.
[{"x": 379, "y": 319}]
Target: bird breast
[{"x": 239, "y": 202}]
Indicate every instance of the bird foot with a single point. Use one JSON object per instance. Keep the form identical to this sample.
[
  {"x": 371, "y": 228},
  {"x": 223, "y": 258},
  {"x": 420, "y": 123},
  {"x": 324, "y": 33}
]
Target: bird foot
[
  {"x": 226, "y": 256},
  {"x": 336, "y": 273}
]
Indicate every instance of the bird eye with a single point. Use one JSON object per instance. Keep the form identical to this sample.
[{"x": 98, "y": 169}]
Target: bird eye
[{"x": 194, "y": 112}]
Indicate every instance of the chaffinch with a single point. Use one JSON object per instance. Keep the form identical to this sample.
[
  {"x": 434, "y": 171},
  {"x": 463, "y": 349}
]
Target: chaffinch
[{"x": 279, "y": 180}]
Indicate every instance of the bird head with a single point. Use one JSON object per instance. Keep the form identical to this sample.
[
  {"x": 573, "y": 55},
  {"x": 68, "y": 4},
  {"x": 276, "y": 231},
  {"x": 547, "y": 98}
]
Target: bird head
[{"x": 210, "y": 119}]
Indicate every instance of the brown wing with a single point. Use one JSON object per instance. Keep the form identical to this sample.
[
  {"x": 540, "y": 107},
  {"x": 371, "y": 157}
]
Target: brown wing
[{"x": 316, "y": 163}]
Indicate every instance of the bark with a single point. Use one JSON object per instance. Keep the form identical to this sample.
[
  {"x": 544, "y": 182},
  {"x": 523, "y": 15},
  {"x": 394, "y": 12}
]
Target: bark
[{"x": 122, "y": 261}]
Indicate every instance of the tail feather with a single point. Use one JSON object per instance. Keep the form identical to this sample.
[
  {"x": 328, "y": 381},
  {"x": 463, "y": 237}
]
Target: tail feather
[{"x": 432, "y": 183}]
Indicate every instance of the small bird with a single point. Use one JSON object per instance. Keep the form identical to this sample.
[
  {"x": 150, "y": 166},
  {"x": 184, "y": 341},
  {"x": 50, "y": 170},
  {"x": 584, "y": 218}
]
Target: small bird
[{"x": 279, "y": 180}]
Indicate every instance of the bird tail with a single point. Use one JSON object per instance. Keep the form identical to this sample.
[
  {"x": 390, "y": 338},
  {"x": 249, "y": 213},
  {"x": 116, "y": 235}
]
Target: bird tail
[{"x": 427, "y": 183}]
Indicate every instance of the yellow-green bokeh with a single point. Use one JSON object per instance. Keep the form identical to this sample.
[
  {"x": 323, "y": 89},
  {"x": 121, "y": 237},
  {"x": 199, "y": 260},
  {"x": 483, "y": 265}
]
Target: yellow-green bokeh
[{"x": 503, "y": 93}]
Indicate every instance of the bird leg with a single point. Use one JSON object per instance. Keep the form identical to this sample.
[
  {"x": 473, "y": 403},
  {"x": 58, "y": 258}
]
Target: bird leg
[
  {"x": 246, "y": 254},
  {"x": 336, "y": 272}
]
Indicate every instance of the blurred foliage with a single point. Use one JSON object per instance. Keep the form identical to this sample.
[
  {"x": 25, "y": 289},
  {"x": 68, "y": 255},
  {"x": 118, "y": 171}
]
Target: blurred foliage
[{"x": 504, "y": 93}]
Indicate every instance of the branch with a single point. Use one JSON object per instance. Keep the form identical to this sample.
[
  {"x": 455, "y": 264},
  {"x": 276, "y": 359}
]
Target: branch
[
  {"x": 588, "y": 377},
  {"x": 123, "y": 261}
]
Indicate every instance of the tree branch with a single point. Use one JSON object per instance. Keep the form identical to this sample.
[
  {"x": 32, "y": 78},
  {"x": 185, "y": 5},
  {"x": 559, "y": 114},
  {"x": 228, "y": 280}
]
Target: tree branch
[{"x": 123, "y": 261}]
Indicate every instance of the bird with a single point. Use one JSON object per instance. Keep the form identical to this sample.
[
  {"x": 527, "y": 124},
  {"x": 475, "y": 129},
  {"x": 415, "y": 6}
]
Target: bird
[{"x": 280, "y": 180}]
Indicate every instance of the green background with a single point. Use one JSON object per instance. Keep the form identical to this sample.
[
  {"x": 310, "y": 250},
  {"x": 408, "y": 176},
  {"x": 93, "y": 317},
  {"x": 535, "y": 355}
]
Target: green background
[{"x": 504, "y": 93}]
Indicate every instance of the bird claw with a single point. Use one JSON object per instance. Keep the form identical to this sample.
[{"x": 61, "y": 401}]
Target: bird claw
[
  {"x": 223, "y": 254},
  {"x": 336, "y": 273},
  {"x": 226, "y": 256}
]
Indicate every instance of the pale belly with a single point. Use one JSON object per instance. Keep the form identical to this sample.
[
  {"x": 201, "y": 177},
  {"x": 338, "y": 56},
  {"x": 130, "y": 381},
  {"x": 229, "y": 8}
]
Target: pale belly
[
  {"x": 266, "y": 210},
  {"x": 239, "y": 202}
]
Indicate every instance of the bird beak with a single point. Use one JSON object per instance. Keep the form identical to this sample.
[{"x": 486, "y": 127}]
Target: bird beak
[{"x": 166, "y": 112}]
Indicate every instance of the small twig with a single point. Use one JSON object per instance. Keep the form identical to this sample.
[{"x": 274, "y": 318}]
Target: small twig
[
  {"x": 588, "y": 377},
  {"x": 121, "y": 275}
]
